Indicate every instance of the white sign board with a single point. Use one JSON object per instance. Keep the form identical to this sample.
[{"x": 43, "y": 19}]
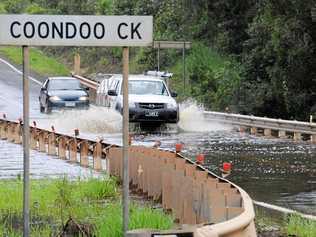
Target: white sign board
[{"x": 61, "y": 30}]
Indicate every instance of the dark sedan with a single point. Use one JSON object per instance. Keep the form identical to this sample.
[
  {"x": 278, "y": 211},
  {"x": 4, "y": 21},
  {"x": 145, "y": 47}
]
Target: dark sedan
[{"x": 62, "y": 92}]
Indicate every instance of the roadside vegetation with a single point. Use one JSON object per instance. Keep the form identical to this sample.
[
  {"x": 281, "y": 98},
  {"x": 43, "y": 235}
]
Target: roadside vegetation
[
  {"x": 74, "y": 207},
  {"x": 278, "y": 225},
  {"x": 252, "y": 57},
  {"x": 39, "y": 61}
]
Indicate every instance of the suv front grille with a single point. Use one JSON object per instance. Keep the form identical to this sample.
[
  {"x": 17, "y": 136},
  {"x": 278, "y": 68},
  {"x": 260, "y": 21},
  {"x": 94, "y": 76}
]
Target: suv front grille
[{"x": 151, "y": 105}]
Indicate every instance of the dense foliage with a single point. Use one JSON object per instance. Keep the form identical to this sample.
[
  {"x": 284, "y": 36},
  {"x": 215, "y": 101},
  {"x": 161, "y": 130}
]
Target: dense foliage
[{"x": 251, "y": 56}]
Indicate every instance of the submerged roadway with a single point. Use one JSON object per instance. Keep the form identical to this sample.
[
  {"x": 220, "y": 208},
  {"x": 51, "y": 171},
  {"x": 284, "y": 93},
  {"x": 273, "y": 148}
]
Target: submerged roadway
[{"x": 270, "y": 170}]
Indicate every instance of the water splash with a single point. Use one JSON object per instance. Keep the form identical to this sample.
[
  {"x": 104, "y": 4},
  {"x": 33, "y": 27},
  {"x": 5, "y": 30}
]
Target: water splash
[
  {"x": 193, "y": 120},
  {"x": 96, "y": 120}
]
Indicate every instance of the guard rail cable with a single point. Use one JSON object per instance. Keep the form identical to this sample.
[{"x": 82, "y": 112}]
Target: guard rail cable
[{"x": 206, "y": 204}]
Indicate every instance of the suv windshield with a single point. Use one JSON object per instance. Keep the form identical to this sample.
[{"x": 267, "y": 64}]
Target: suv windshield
[
  {"x": 64, "y": 84},
  {"x": 142, "y": 87}
]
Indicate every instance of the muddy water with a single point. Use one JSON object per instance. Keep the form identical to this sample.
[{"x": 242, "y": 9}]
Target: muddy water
[
  {"x": 270, "y": 170},
  {"x": 276, "y": 171}
]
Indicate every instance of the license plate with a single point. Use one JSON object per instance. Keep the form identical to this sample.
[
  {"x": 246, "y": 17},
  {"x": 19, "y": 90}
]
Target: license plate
[
  {"x": 70, "y": 104},
  {"x": 151, "y": 114}
]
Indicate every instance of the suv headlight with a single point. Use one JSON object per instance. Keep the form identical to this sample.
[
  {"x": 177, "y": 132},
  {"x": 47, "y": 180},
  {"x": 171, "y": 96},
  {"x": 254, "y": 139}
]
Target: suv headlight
[
  {"x": 54, "y": 98},
  {"x": 83, "y": 98},
  {"x": 172, "y": 106},
  {"x": 131, "y": 104}
]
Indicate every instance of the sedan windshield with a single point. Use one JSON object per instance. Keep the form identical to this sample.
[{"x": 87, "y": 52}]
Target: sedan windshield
[
  {"x": 64, "y": 84},
  {"x": 142, "y": 87}
]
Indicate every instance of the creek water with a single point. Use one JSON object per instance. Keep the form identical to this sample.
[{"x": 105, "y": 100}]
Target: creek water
[{"x": 281, "y": 172}]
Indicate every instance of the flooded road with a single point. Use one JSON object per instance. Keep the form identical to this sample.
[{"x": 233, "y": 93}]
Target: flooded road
[{"x": 276, "y": 171}]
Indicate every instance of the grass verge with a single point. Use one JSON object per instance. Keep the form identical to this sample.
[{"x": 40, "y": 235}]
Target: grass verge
[
  {"x": 280, "y": 225},
  {"x": 39, "y": 62},
  {"x": 79, "y": 207}
]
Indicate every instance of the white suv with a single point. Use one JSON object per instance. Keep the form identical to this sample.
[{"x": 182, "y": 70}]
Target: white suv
[{"x": 149, "y": 99}]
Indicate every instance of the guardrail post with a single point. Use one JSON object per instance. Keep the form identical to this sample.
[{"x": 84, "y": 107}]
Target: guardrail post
[
  {"x": 17, "y": 134},
  {"x": 52, "y": 144},
  {"x": 41, "y": 141},
  {"x": 313, "y": 138},
  {"x": 2, "y": 129},
  {"x": 97, "y": 153},
  {"x": 62, "y": 146},
  {"x": 84, "y": 150},
  {"x": 267, "y": 132},
  {"x": 297, "y": 136},
  {"x": 72, "y": 146},
  {"x": 10, "y": 132},
  {"x": 282, "y": 134},
  {"x": 253, "y": 131},
  {"x": 242, "y": 129},
  {"x": 33, "y": 138}
]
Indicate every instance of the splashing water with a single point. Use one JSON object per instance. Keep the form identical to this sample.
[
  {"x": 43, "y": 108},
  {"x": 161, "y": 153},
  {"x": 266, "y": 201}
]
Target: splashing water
[
  {"x": 192, "y": 119},
  {"x": 96, "y": 120}
]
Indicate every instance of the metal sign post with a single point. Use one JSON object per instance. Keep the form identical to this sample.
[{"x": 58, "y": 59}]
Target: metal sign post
[
  {"x": 125, "y": 197},
  {"x": 26, "y": 143},
  {"x": 173, "y": 45}
]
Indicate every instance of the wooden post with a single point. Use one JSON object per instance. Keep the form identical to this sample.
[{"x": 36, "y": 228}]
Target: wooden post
[
  {"x": 33, "y": 138},
  {"x": 2, "y": 129},
  {"x": 84, "y": 150},
  {"x": 17, "y": 134},
  {"x": 41, "y": 141},
  {"x": 73, "y": 150},
  {"x": 52, "y": 144},
  {"x": 62, "y": 146},
  {"x": 10, "y": 132},
  {"x": 313, "y": 138},
  {"x": 97, "y": 153}
]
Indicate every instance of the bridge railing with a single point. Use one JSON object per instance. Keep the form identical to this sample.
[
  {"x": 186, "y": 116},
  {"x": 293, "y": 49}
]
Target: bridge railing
[
  {"x": 212, "y": 206},
  {"x": 297, "y": 128}
]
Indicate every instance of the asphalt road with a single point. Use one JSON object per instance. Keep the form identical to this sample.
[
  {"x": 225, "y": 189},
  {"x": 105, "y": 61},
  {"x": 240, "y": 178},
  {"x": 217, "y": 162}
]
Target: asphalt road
[
  {"x": 11, "y": 96},
  {"x": 11, "y": 155}
]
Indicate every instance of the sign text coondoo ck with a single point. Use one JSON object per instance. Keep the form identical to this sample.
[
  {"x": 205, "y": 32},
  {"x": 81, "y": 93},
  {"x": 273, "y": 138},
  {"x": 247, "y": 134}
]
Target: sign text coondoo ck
[{"x": 55, "y": 30}]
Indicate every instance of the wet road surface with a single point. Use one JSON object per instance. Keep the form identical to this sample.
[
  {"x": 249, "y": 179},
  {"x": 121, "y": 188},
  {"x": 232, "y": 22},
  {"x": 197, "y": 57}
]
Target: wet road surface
[{"x": 276, "y": 171}]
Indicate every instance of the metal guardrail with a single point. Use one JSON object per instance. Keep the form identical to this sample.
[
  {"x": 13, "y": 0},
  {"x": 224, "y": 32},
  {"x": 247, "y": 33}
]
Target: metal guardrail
[
  {"x": 212, "y": 206},
  {"x": 280, "y": 125}
]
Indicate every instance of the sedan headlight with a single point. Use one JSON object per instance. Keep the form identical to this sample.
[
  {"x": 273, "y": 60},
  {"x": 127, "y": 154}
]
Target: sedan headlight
[
  {"x": 171, "y": 106},
  {"x": 83, "y": 98},
  {"x": 54, "y": 98}
]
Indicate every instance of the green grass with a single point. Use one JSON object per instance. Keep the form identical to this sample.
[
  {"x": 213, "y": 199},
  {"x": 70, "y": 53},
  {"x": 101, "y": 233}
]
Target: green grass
[
  {"x": 287, "y": 225},
  {"x": 39, "y": 62},
  {"x": 93, "y": 202},
  {"x": 298, "y": 226}
]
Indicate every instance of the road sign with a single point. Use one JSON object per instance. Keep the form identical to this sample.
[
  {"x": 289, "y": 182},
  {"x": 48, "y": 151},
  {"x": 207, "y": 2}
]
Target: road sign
[
  {"x": 172, "y": 44},
  {"x": 61, "y": 30}
]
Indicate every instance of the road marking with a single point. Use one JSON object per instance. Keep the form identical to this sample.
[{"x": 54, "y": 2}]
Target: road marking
[{"x": 18, "y": 71}]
